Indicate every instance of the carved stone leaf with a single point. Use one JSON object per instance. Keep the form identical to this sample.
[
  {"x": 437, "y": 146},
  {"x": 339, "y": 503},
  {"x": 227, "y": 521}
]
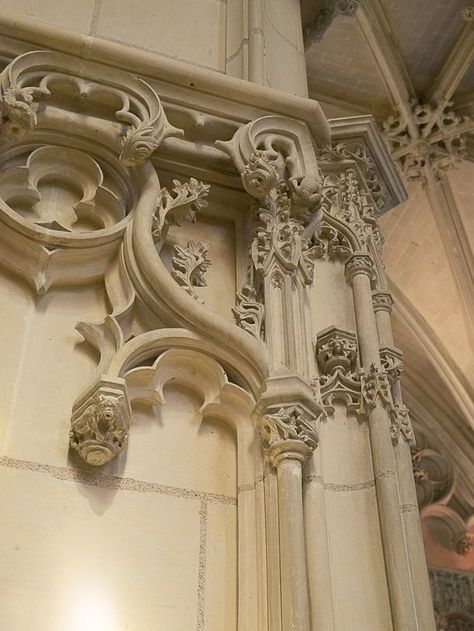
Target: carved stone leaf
[
  {"x": 249, "y": 312},
  {"x": 190, "y": 263}
]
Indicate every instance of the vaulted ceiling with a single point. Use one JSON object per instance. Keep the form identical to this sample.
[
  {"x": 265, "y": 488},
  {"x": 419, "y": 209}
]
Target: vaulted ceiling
[{"x": 386, "y": 57}]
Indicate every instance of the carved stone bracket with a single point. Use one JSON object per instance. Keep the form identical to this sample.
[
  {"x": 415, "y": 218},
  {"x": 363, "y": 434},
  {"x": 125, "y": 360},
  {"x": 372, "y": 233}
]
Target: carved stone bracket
[
  {"x": 100, "y": 422},
  {"x": 336, "y": 352}
]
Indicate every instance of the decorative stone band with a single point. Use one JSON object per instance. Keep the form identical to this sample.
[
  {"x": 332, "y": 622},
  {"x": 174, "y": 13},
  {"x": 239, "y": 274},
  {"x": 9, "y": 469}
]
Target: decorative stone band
[
  {"x": 360, "y": 263},
  {"x": 100, "y": 422},
  {"x": 382, "y": 301},
  {"x": 288, "y": 432}
]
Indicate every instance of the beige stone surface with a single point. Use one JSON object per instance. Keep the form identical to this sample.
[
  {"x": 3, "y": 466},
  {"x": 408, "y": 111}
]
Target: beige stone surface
[
  {"x": 96, "y": 558},
  {"x": 416, "y": 260},
  {"x": 46, "y": 369}
]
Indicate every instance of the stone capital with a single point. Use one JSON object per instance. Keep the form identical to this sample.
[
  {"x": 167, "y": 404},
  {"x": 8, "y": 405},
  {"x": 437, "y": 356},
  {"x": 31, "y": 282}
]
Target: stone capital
[
  {"x": 359, "y": 263},
  {"x": 382, "y": 301}
]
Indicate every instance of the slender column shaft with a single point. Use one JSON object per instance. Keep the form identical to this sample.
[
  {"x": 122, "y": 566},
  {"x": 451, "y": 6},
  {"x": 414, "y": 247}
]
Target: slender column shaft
[
  {"x": 256, "y": 42},
  {"x": 408, "y": 500},
  {"x": 273, "y": 551},
  {"x": 294, "y": 588},
  {"x": 319, "y": 566},
  {"x": 395, "y": 552}
]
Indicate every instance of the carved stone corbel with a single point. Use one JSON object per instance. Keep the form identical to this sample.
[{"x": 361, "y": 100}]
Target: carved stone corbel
[
  {"x": 100, "y": 422},
  {"x": 336, "y": 353}
]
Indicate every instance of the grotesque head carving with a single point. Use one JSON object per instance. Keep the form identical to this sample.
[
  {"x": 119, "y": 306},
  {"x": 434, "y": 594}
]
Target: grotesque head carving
[{"x": 101, "y": 430}]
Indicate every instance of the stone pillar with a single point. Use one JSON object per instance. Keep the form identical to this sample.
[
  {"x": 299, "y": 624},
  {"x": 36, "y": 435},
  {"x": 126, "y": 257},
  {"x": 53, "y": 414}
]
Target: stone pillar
[
  {"x": 403, "y": 438},
  {"x": 375, "y": 387},
  {"x": 288, "y": 437}
]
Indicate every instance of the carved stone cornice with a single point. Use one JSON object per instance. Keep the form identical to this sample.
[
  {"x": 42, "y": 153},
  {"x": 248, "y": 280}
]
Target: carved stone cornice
[
  {"x": 432, "y": 137},
  {"x": 382, "y": 301},
  {"x": 359, "y": 263}
]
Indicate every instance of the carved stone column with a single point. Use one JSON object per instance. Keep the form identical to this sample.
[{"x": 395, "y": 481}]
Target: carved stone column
[
  {"x": 376, "y": 396},
  {"x": 278, "y": 169},
  {"x": 288, "y": 437},
  {"x": 403, "y": 439}
]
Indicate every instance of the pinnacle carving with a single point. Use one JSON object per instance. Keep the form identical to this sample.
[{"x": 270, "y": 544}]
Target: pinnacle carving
[
  {"x": 249, "y": 312},
  {"x": 100, "y": 425},
  {"x": 400, "y": 424},
  {"x": 280, "y": 237},
  {"x": 359, "y": 154},
  {"x": 190, "y": 264},
  {"x": 427, "y": 136}
]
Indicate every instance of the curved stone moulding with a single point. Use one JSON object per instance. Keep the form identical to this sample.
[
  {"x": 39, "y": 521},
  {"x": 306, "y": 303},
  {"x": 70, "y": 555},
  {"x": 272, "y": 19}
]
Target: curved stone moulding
[
  {"x": 101, "y": 92},
  {"x": 165, "y": 298},
  {"x": 101, "y": 417}
]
